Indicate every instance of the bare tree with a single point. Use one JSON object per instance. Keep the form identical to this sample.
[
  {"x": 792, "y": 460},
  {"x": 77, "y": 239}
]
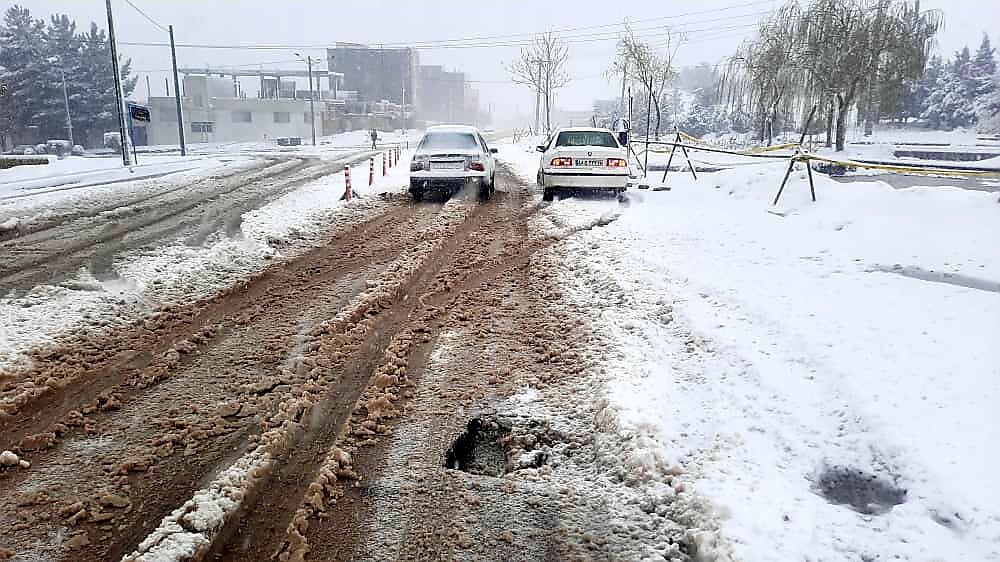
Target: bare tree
[
  {"x": 639, "y": 61},
  {"x": 542, "y": 67},
  {"x": 837, "y": 54}
]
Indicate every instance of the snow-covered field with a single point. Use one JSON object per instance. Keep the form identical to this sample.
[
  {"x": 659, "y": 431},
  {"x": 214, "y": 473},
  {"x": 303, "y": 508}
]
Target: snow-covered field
[{"x": 826, "y": 374}]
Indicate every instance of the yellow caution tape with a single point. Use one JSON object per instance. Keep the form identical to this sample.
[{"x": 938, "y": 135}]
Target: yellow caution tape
[{"x": 894, "y": 168}]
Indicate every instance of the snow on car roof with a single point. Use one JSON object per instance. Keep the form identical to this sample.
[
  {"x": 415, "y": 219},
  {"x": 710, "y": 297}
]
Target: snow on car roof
[
  {"x": 452, "y": 129},
  {"x": 583, "y": 129}
]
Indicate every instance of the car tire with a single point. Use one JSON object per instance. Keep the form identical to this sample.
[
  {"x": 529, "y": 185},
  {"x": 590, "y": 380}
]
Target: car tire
[
  {"x": 484, "y": 192},
  {"x": 548, "y": 194}
]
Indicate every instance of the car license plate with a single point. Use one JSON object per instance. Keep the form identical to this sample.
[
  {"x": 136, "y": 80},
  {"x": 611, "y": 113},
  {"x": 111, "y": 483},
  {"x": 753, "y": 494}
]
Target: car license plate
[
  {"x": 589, "y": 162},
  {"x": 447, "y": 165}
]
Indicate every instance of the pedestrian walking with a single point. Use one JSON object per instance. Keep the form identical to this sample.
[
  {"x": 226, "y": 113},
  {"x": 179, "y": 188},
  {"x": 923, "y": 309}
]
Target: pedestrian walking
[{"x": 374, "y": 135}]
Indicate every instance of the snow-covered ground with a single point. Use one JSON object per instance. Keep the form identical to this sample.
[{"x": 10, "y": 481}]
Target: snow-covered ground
[
  {"x": 772, "y": 356},
  {"x": 178, "y": 272}
]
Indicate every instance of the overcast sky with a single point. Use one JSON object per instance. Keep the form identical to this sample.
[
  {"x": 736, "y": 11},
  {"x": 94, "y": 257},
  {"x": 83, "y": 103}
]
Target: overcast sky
[{"x": 714, "y": 28}]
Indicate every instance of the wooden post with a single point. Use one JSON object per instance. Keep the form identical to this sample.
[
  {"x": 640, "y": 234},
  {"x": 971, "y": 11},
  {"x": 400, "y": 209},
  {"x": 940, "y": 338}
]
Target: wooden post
[
  {"x": 791, "y": 163},
  {"x": 677, "y": 140},
  {"x": 812, "y": 188},
  {"x": 690, "y": 165}
]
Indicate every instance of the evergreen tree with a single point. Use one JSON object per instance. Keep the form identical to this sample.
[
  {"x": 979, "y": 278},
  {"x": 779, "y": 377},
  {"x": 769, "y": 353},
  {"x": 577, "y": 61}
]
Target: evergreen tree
[
  {"x": 33, "y": 58},
  {"x": 98, "y": 105},
  {"x": 62, "y": 58},
  {"x": 949, "y": 103},
  {"x": 984, "y": 85},
  {"x": 21, "y": 47}
]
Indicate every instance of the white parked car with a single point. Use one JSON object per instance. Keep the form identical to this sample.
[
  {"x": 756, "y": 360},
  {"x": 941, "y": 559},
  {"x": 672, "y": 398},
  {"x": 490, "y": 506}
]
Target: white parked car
[
  {"x": 449, "y": 158},
  {"x": 582, "y": 159}
]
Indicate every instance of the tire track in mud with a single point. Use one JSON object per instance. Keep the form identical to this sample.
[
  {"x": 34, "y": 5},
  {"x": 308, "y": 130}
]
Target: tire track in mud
[
  {"x": 275, "y": 523},
  {"x": 159, "y": 425},
  {"x": 192, "y": 214},
  {"x": 72, "y": 374}
]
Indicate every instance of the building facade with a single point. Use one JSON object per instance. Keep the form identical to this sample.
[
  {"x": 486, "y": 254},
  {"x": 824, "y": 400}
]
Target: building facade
[
  {"x": 377, "y": 75},
  {"x": 212, "y": 114}
]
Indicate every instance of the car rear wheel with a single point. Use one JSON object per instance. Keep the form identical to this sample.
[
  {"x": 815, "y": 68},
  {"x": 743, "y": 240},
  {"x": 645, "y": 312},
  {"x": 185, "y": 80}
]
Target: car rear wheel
[{"x": 548, "y": 194}]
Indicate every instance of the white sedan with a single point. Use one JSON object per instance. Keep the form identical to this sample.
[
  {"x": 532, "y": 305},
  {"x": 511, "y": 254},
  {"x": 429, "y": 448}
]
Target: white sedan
[{"x": 582, "y": 159}]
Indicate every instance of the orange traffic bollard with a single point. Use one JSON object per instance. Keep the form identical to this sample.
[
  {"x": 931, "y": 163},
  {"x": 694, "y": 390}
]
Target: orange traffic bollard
[
  {"x": 347, "y": 183},
  {"x": 383, "y": 163},
  {"x": 371, "y": 170}
]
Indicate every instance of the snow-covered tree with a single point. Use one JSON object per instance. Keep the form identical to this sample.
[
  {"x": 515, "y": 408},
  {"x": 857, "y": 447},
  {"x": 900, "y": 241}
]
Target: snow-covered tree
[
  {"x": 989, "y": 108},
  {"x": 21, "y": 44},
  {"x": 951, "y": 101},
  {"x": 33, "y": 58}
]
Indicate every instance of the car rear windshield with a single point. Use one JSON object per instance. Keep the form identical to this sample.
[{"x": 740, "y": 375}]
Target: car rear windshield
[
  {"x": 586, "y": 138},
  {"x": 437, "y": 141}
]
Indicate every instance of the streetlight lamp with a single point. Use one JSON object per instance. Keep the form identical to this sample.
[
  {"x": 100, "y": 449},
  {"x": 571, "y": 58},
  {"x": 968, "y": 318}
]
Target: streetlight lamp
[
  {"x": 312, "y": 95},
  {"x": 69, "y": 120}
]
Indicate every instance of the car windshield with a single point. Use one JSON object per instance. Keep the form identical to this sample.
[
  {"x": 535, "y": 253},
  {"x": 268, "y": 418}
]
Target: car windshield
[
  {"x": 450, "y": 140},
  {"x": 586, "y": 138}
]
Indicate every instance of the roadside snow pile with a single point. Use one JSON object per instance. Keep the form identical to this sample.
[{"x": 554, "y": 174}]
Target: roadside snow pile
[{"x": 827, "y": 377}]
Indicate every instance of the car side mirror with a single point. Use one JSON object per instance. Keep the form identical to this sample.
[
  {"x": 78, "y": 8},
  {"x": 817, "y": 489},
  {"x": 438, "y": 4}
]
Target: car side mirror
[
  {"x": 493, "y": 151},
  {"x": 540, "y": 148}
]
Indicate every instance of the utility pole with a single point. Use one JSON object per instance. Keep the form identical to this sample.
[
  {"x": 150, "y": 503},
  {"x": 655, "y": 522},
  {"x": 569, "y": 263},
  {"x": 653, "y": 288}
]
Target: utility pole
[
  {"x": 166, "y": 83},
  {"x": 69, "y": 121},
  {"x": 118, "y": 86},
  {"x": 312, "y": 103},
  {"x": 538, "y": 93},
  {"x": 177, "y": 93},
  {"x": 312, "y": 98},
  {"x": 149, "y": 90}
]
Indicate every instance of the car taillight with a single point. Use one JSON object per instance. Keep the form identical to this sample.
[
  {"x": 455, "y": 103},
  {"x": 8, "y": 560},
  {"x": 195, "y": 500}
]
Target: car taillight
[
  {"x": 617, "y": 163},
  {"x": 416, "y": 166},
  {"x": 477, "y": 166},
  {"x": 562, "y": 161}
]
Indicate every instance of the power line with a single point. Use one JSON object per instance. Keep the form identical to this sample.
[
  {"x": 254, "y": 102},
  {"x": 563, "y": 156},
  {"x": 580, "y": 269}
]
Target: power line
[
  {"x": 286, "y": 47},
  {"x": 481, "y": 42},
  {"x": 580, "y": 28},
  {"x": 145, "y": 15}
]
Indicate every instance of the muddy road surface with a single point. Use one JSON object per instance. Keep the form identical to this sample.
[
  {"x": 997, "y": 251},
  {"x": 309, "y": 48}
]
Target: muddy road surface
[{"x": 371, "y": 399}]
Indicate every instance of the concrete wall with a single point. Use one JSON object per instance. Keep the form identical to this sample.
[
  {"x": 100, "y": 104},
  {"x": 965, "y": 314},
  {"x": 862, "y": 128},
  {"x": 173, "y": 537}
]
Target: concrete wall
[{"x": 226, "y": 118}]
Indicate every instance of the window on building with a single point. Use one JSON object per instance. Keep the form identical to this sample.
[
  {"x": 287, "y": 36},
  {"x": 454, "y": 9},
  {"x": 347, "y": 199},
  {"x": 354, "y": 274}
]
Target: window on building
[
  {"x": 308, "y": 117},
  {"x": 199, "y": 101},
  {"x": 242, "y": 117},
  {"x": 202, "y": 126},
  {"x": 282, "y": 117}
]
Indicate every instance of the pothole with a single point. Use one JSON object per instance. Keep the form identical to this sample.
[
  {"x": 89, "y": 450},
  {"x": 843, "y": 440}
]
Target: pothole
[
  {"x": 480, "y": 448},
  {"x": 864, "y": 492},
  {"x": 494, "y": 445}
]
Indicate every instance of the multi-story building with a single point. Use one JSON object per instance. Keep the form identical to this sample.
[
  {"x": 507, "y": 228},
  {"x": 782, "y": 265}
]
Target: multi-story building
[
  {"x": 377, "y": 74},
  {"x": 445, "y": 96}
]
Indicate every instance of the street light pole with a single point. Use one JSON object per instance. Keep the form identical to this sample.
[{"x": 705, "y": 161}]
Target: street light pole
[
  {"x": 69, "y": 121},
  {"x": 118, "y": 86}
]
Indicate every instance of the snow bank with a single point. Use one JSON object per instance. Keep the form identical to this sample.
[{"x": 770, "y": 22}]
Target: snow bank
[{"x": 760, "y": 352}]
